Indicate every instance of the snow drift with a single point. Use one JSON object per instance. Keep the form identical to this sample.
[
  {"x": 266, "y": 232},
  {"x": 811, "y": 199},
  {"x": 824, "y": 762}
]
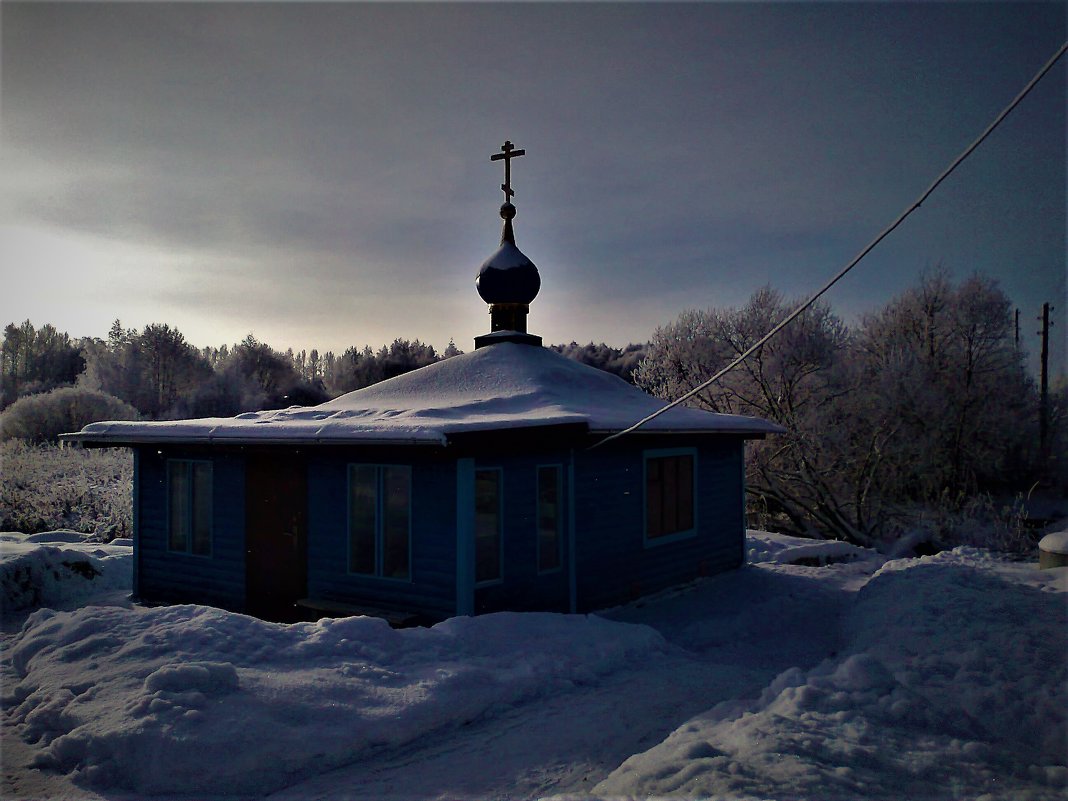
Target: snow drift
[
  {"x": 953, "y": 684},
  {"x": 933, "y": 678},
  {"x": 148, "y": 699},
  {"x": 60, "y": 568}
]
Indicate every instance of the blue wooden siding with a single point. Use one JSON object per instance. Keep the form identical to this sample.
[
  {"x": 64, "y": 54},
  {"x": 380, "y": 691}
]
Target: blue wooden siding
[
  {"x": 522, "y": 587},
  {"x": 465, "y": 536},
  {"x": 613, "y": 562},
  {"x": 162, "y": 575},
  {"x": 431, "y": 591},
  {"x": 605, "y": 558}
]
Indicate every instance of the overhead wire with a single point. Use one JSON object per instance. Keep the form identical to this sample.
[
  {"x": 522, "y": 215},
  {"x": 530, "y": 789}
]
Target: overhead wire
[{"x": 856, "y": 260}]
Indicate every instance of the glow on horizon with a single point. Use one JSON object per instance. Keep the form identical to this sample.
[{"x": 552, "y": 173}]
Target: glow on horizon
[{"x": 92, "y": 280}]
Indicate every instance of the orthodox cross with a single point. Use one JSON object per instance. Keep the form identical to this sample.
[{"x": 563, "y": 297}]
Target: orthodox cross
[{"x": 508, "y": 152}]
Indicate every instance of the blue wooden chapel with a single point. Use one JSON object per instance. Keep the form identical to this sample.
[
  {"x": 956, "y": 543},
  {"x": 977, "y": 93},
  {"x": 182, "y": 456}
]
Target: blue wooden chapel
[{"x": 464, "y": 487}]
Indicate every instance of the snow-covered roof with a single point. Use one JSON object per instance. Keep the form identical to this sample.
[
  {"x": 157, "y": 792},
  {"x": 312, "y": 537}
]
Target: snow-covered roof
[{"x": 505, "y": 386}]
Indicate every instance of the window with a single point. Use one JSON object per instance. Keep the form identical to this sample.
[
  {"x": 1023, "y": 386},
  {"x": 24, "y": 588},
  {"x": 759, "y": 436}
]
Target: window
[
  {"x": 669, "y": 493},
  {"x": 487, "y": 525},
  {"x": 189, "y": 507},
  {"x": 380, "y": 520},
  {"x": 550, "y": 518}
]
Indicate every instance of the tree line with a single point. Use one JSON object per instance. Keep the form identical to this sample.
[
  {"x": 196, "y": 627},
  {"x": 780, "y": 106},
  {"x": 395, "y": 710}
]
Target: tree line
[
  {"x": 36, "y": 360},
  {"x": 159, "y": 375},
  {"x": 925, "y": 403}
]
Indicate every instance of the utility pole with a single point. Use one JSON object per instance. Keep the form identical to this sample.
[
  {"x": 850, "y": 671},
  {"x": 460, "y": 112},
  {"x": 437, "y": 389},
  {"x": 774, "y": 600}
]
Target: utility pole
[
  {"x": 1017, "y": 340},
  {"x": 1043, "y": 403}
]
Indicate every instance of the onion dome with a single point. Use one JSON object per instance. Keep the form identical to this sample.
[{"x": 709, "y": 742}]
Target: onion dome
[{"x": 508, "y": 276}]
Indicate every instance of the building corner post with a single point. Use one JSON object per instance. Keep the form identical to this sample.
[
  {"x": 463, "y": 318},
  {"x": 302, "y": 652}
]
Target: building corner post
[
  {"x": 136, "y": 584},
  {"x": 572, "y": 574}
]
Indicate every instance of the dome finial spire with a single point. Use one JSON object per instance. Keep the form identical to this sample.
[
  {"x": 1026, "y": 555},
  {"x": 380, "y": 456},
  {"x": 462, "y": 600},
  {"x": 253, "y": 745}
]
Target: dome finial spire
[
  {"x": 508, "y": 152},
  {"x": 508, "y": 280}
]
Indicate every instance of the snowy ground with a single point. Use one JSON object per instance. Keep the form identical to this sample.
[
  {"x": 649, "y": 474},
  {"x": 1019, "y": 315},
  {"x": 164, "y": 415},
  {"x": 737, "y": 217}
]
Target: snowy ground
[
  {"x": 62, "y": 569},
  {"x": 838, "y": 676}
]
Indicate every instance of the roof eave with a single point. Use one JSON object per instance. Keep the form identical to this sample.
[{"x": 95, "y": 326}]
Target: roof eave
[
  {"x": 125, "y": 441},
  {"x": 745, "y": 433}
]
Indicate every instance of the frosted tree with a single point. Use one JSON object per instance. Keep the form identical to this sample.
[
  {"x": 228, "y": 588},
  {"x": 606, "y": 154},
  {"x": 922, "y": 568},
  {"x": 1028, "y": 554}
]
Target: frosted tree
[
  {"x": 36, "y": 360},
  {"x": 46, "y": 415},
  {"x": 404, "y": 355},
  {"x": 943, "y": 363},
  {"x": 172, "y": 368},
  {"x": 113, "y": 366},
  {"x": 621, "y": 362},
  {"x": 927, "y": 402},
  {"x": 354, "y": 369},
  {"x": 357, "y": 368},
  {"x": 808, "y": 475},
  {"x": 154, "y": 370}
]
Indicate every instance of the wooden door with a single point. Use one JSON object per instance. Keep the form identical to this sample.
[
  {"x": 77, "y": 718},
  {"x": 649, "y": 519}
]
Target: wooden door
[{"x": 276, "y": 546}]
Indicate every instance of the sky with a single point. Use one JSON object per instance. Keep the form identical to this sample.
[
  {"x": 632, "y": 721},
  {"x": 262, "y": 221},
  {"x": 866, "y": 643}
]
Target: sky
[{"x": 319, "y": 174}]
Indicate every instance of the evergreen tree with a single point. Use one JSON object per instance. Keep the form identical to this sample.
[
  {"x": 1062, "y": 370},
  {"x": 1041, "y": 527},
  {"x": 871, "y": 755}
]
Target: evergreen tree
[{"x": 36, "y": 360}]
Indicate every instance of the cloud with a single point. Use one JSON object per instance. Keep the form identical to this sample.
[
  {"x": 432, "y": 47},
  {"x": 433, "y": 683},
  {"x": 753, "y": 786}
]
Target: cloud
[{"x": 674, "y": 151}]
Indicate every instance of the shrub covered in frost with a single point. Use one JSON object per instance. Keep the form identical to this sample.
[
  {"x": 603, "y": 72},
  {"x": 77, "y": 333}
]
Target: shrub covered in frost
[
  {"x": 42, "y": 418},
  {"x": 44, "y": 487},
  {"x": 980, "y": 521}
]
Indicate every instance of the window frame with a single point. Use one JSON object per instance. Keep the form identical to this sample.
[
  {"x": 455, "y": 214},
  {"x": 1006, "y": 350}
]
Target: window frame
[
  {"x": 674, "y": 536},
  {"x": 499, "y": 578},
  {"x": 190, "y": 501},
  {"x": 379, "y": 521},
  {"x": 559, "y": 468}
]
